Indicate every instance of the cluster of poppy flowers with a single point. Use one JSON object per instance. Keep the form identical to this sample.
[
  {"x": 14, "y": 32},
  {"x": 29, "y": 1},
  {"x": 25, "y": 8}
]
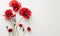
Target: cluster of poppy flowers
[
  {"x": 20, "y": 25},
  {"x": 25, "y": 12},
  {"x": 16, "y": 6}
]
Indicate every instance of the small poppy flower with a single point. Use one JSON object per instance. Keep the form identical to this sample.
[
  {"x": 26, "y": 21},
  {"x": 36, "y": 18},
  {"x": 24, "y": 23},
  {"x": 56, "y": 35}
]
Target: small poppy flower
[
  {"x": 20, "y": 25},
  {"x": 15, "y": 5},
  {"x": 10, "y": 30},
  {"x": 28, "y": 29},
  {"x": 13, "y": 0},
  {"x": 9, "y": 14},
  {"x": 25, "y": 12}
]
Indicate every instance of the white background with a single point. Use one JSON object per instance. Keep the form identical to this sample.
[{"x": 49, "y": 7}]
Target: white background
[{"x": 45, "y": 19}]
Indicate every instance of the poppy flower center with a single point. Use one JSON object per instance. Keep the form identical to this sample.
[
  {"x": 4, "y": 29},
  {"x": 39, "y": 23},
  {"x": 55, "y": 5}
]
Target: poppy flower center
[
  {"x": 15, "y": 6},
  {"x": 9, "y": 15},
  {"x": 25, "y": 13}
]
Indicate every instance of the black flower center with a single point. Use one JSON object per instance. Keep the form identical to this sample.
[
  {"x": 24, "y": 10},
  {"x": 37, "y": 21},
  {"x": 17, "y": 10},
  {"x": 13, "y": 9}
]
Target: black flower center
[
  {"x": 25, "y": 13},
  {"x": 9, "y": 15},
  {"x": 15, "y": 6}
]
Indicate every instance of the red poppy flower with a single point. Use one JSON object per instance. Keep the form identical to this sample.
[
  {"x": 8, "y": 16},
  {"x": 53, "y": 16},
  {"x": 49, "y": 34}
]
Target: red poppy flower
[
  {"x": 9, "y": 30},
  {"x": 20, "y": 25},
  {"x": 9, "y": 14},
  {"x": 15, "y": 5},
  {"x": 28, "y": 29},
  {"x": 13, "y": 0},
  {"x": 25, "y": 12}
]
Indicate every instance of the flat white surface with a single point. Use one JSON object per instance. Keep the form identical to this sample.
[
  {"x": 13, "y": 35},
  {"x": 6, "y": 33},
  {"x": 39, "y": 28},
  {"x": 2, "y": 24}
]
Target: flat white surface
[{"x": 45, "y": 19}]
